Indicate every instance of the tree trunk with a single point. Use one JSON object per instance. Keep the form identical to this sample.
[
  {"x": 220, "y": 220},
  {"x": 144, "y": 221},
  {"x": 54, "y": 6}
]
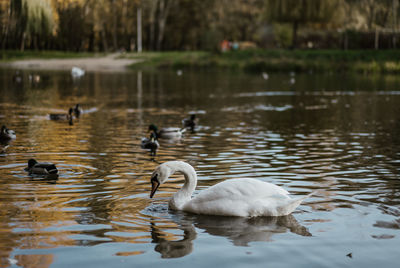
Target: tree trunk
[
  {"x": 114, "y": 24},
  {"x": 376, "y": 38},
  {"x": 395, "y": 5},
  {"x": 162, "y": 18},
  {"x": 22, "y": 48},
  {"x": 104, "y": 40},
  {"x": 7, "y": 27},
  {"x": 124, "y": 22},
  {"x": 35, "y": 42},
  {"x": 139, "y": 30},
  {"x": 294, "y": 34},
  {"x": 152, "y": 16}
]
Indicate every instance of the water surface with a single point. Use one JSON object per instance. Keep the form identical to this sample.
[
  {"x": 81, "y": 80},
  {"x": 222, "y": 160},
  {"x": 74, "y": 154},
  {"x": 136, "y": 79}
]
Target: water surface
[{"x": 338, "y": 134}]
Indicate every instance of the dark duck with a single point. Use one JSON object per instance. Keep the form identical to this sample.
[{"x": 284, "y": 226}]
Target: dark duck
[
  {"x": 63, "y": 117},
  {"x": 6, "y": 134},
  {"x": 167, "y": 133},
  {"x": 190, "y": 122},
  {"x": 36, "y": 168},
  {"x": 150, "y": 143},
  {"x": 77, "y": 110}
]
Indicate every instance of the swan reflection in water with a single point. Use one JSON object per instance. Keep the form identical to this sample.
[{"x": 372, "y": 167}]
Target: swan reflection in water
[{"x": 241, "y": 231}]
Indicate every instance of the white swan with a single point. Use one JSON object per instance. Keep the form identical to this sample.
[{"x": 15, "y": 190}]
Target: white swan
[{"x": 243, "y": 197}]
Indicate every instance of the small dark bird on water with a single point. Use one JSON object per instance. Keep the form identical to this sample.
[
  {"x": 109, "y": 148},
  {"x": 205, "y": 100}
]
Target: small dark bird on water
[
  {"x": 36, "y": 168},
  {"x": 77, "y": 110},
  {"x": 150, "y": 143},
  {"x": 171, "y": 133},
  {"x": 63, "y": 117},
  {"x": 7, "y": 134},
  {"x": 190, "y": 122}
]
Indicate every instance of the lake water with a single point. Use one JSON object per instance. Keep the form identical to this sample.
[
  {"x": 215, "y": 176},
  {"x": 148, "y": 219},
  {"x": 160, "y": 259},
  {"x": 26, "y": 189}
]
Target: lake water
[{"x": 335, "y": 133}]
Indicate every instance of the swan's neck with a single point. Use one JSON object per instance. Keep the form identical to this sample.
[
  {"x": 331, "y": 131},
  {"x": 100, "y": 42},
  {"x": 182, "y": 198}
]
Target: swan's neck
[{"x": 184, "y": 195}]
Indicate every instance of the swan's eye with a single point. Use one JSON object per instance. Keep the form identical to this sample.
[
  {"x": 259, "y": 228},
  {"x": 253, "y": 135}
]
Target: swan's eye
[{"x": 154, "y": 178}]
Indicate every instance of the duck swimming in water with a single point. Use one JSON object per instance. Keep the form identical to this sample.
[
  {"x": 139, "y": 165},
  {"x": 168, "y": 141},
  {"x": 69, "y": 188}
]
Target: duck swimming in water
[
  {"x": 167, "y": 133},
  {"x": 190, "y": 122},
  {"x": 243, "y": 197},
  {"x": 150, "y": 143},
  {"x": 36, "y": 168},
  {"x": 7, "y": 134},
  {"x": 78, "y": 110},
  {"x": 63, "y": 117}
]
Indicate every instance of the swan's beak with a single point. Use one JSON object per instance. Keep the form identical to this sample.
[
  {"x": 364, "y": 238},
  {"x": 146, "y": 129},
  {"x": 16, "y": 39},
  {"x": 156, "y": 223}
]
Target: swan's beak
[{"x": 154, "y": 187}]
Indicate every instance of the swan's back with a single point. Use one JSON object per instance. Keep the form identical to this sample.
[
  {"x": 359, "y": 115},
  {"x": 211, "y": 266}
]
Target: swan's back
[
  {"x": 241, "y": 188},
  {"x": 243, "y": 197}
]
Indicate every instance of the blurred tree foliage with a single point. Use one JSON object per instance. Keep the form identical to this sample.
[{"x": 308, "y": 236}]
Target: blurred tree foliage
[
  {"x": 111, "y": 25},
  {"x": 299, "y": 12}
]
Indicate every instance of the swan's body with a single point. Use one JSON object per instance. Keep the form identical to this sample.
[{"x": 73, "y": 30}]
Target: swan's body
[
  {"x": 167, "y": 133},
  {"x": 7, "y": 134},
  {"x": 236, "y": 197}
]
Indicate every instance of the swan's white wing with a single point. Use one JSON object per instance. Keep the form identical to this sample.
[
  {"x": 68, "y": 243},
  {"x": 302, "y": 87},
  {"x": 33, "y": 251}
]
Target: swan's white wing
[
  {"x": 240, "y": 197},
  {"x": 241, "y": 188}
]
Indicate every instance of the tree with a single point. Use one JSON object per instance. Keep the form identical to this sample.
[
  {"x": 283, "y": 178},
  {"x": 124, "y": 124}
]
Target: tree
[
  {"x": 300, "y": 12},
  {"x": 37, "y": 21}
]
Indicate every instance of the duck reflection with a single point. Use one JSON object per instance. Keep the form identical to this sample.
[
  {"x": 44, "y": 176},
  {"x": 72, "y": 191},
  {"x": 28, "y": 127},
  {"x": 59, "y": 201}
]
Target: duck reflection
[{"x": 241, "y": 231}]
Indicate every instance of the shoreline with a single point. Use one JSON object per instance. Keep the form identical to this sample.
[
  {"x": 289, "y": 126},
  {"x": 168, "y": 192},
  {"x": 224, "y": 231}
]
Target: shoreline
[
  {"x": 109, "y": 63},
  {"x": 250, "y": 61}
]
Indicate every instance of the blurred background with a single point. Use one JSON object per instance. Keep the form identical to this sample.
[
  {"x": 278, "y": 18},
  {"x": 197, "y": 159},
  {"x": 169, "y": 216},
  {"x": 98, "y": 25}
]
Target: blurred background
[
  {"x": 300, "y": 93},
  {"x": 157, "y": 25}
]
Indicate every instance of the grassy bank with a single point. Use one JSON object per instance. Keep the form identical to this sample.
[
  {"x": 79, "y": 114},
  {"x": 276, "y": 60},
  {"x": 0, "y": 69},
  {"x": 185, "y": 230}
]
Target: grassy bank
[
  {"x": 366, "y": 61},
  {"x": 10, "y": 55},
  {"x": 255, "y": 61}
]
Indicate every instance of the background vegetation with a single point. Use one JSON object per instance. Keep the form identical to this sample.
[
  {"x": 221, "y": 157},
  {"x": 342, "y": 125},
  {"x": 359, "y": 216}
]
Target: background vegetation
[{"x": 112, "y": 25}]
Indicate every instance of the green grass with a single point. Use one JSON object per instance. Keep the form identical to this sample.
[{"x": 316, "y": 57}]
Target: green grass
[
  {"x": 10, "y": 55},
  {"x": 257, "y": 60},
  {"x": 169, "y": 59},
  {"x": 367, "y": 61}
]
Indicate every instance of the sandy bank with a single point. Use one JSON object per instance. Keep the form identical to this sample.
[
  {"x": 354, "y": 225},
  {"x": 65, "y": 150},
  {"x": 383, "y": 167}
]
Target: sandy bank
[{"x": 108, "y": 63}]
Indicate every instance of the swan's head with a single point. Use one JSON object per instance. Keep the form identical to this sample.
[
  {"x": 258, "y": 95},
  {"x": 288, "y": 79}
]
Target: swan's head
[{"x": 159, "y": 176}]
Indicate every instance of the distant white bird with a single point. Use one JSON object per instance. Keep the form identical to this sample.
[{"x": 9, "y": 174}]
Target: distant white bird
[
  {"x": 17, "y": 77},
  {"x": 77, "y": 72},
  {"x": 34, "y": 78},
  {"x": 179, "y": 72},
  {"x": 265, "y": 76},
  {"x": 292, "y": 81}
]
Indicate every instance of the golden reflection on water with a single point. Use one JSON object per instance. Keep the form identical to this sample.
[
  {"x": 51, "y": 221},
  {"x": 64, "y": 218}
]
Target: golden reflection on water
[{"x": 325, "y": 140}]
